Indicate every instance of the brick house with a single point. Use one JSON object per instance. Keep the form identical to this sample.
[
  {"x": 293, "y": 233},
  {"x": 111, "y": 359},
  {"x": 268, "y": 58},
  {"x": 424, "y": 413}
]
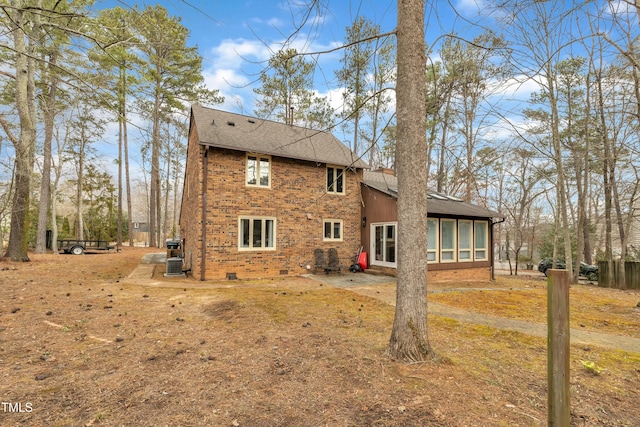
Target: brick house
[
  {"x": 460, "y": 234},
  {"x": 260, "y": 196}
]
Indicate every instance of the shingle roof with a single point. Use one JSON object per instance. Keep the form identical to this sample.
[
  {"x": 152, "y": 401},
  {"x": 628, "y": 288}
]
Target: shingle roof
[
  {"x": 437, "y": 203},
  {"x": 222, "y": 129}
]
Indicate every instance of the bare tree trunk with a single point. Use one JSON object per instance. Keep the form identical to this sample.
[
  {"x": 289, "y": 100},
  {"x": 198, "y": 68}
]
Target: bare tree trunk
[
  {"x": 167, "y": 184},
  {"x": 127, "y": 178},
  {"x": 45, "y": 183},
  {"x": 441, "y": 160},
  {"x": 608, "y": 198},
  {"x": 79, "y": 215},
  {"x": 154, "y": 193},
  {"x": 409, "y": 339},
  {"x": 561, "y": 187},
  {"x": 54, "y": 212},
  {"x": 588, "y": 258},
  {"x": 17, "y": 249},
  {"x": 120, "y": 144}
]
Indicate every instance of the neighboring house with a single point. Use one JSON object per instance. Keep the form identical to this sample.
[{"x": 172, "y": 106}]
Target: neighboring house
[
  {"x": 460, "y": 234},
  {"x": 140, "y": 232},
  {"x": 260, "y": 196}
]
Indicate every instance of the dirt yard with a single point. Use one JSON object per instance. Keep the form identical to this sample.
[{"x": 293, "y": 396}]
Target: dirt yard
[{"x": 82, "y": 345}]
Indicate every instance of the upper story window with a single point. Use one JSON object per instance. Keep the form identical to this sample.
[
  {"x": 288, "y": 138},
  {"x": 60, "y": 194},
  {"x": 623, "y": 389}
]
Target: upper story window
[
  {"x": 258, "y": 171},
  {"x": 335, "y": 180}
]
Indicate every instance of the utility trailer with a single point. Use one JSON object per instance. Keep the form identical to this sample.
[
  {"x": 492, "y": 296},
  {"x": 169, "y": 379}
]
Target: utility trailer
[{"x": 78, "y": 247}]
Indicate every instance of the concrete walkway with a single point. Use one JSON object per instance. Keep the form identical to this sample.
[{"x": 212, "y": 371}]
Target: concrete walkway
[{"x": 366, "y": 284}]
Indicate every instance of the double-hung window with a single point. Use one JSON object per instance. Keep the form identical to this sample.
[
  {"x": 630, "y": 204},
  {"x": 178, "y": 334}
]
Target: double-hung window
[
  {"x": 335, "y": 180},
  {"x": 256, "y": 233},
  {"x": 332, "y": 230},
  {"x": 258, "y": 171}
]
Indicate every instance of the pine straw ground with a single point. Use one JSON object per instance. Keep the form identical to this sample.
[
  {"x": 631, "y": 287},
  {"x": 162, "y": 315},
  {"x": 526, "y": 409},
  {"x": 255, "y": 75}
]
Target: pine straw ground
[{"x": 79, "y": 346}]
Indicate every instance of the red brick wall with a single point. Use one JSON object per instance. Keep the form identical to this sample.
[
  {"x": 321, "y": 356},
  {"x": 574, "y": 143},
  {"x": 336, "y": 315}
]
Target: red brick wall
[
  {"x": 297, "y": 199},
  {"x": 473, "y": 274},
  {"x": 465, "y": 274},
  {"x": 191, "y": 212}
]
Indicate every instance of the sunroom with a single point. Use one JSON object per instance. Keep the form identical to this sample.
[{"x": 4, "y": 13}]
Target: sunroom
[{"x": 459, "y": 233}]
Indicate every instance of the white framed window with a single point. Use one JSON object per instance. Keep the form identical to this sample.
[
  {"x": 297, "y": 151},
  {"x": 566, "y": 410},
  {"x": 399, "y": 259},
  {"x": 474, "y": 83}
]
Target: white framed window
[
  {"x": 481, "y": 240},
  {"x": 432, "y": 240},
  {"x": 465, "y": 240},
  {"x": 258, "y": 171},
  {"x": 332, "y": 230},
  {"x": 335, "y": 180},
  {"x": 256, "y": 233},
  {"x": 447, "y": 240}
]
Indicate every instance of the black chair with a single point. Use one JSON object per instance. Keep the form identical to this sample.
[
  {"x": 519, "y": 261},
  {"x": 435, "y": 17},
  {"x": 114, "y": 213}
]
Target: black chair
[
  {"x": 320, "y": 260},
  {"x": 334, "y": 261}
]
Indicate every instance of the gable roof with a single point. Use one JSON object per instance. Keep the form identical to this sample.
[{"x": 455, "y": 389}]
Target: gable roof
[
  {"x": 221, "y": 129},
  {"x": 440, "y": 204}
]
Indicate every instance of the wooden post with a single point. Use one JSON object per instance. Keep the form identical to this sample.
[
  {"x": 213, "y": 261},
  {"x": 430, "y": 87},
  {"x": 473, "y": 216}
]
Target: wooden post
[{"x": 559, "y": 405}]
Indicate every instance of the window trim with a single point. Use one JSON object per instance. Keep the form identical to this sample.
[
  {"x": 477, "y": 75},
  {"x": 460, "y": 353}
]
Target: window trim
[
  {"x": 251, "y": 219},
  {"x": 335, "y": 169},
  {"x": 258, "y": 157},
  {"x": 333, "y": 222}
]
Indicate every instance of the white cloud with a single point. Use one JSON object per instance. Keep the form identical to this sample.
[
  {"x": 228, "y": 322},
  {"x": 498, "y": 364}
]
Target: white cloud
[
  {"x": 275, "y": 22},
  {"x": 470, "y": 7},
  {"x": 233, "y": 53},
  {"x": 234, "y": 86},
  {"x": 233, "y": 67},
  {"x": 520, "y": 87}
]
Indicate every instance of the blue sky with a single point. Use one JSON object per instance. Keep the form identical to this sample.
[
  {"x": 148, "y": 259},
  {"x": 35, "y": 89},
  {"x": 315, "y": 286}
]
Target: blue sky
[{"x": 236, "y": 38}]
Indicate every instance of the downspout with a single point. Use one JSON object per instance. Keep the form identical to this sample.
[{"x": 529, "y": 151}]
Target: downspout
[
  {"x": 493, "y": 260},
  {"x": 205, "y": 176}
]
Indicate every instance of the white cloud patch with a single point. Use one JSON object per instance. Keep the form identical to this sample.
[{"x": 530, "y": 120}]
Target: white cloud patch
[
  {"x": 233, "y": 67},
  {"x": 470, "y": 7},
  {"x": 520, "y": 88},
  {"x": 233, "y": 53}
]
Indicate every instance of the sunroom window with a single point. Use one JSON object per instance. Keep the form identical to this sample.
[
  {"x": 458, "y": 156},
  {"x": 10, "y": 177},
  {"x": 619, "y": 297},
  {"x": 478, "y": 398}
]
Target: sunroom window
[
  {"x": 447, "y": 240},
  {"x": 465, "y": 229},
  {"x": 481, "y": 241},
  {"x": 432, "y": 240}
]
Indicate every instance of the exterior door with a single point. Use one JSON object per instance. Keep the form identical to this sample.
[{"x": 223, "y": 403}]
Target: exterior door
[{"x": 383, "y": 244}]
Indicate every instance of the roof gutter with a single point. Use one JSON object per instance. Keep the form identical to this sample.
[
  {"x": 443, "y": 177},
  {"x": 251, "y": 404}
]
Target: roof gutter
[{"x": 493, "y": 264}]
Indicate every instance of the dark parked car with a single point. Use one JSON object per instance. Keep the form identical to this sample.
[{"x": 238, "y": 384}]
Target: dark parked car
[{"x": 586, "y": 270}]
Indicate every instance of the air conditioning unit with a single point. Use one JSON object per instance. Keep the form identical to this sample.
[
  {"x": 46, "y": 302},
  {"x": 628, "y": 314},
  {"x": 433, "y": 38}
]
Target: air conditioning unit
[{"x": 174, "y": 267}]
